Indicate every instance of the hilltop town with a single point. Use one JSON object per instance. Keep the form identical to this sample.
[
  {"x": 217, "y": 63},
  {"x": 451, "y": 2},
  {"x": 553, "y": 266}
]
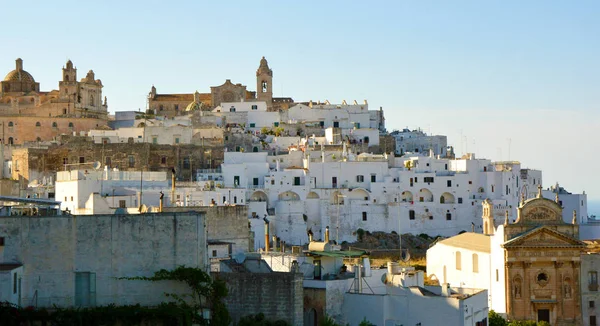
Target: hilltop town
[{"x": 307, "y": 211}]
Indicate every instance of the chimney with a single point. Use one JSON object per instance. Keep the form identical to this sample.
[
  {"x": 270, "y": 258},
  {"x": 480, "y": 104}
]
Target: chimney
[
  {"x": 472, "y": 227},
  {"x": 266, "y": 234},
  {"x": 274, "y": 243},
  {"x": 161, "y": 202},
  {"x": 327, "y": 234},
  {"x": 19, "y": 64},
  {"x": 173, "y": 187},
  {"x": 446, "y": 290}
]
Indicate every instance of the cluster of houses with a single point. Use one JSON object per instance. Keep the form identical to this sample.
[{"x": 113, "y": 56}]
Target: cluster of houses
[{"x": 264, "y": 192}]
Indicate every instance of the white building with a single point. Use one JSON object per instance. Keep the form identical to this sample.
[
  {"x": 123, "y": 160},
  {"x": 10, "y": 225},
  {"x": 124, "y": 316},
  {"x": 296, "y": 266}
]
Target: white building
[
  {"x": 416, "y": 141},
  {"x": 85, "y": 192}
]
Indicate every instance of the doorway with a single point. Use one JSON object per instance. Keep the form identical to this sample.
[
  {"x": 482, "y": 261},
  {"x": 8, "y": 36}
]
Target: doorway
[{"x": 543, "y": 315}]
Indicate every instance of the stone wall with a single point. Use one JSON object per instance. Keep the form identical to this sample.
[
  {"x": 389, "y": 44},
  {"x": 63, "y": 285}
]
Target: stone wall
[
  {"x": 224, "y": 223},
  {"x": 26, "y": 129},
  {"x": 276, "y": 295},
  {"x": 38, "y": 162},
  {"x": 53, "y": 249}
]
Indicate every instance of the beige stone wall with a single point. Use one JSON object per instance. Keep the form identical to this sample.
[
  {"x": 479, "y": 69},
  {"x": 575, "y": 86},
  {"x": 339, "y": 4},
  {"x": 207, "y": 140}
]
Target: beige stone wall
[{"x": 25, "y": 129}]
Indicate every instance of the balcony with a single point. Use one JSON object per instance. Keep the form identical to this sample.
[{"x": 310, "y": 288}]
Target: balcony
[{"x": 593, "y": 287}]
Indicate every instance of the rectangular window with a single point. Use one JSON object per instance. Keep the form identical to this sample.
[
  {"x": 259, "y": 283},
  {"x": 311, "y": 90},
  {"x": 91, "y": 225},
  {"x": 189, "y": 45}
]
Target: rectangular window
[
  {"x": 592, "y": 304},
  {"x": 1, "y": 241},
  {"x": 334, "y": 182},
  {"x": 176, "y": 140},
  {"x": 449, "y": 183},
  {"x": 122, "y": 203},
  {"x": 373, "y": 178},
  {"x": 296, "y": 181},
  {"x": 411, "y": 214},
  {"x": 107, "y": 161},
  {"x": 448, "y": 216},
  {"x": 428, "y": 179},
  {"x": 593, "y": 281},
  {"x": 15, "y": 280},
  {"x": 186, "y": 163},
  {"x": 236, "y": 180},
  {"x": 593, "y": 321},
  {"x": 163, "y": 160},
  {"x": 85, "y": 289},
  {"x": 131, "y": 161},
  {"x": 81, "y": 159},
  {"x": 497, "y": 276},
  {"x": 255, "y": 107},
  {"x": 336, "y": 124},
  {"x": 255, "y": 181},
  {"x": 65, "y": 160},
  {"x": 252, "y": 125},
  {"x": 272, "y": 181},
  {"x": 364, "y": 215},
  {"x": 360, "y": 178},
  {"x": 275, "y": 124},
  {"x": 421, "y": 199},
  {"x": 460, "y": 200},
  {"x": 154, "y": 140},
  {"x": 322, "y": 124},
  {"x": 214, "y": 253}
]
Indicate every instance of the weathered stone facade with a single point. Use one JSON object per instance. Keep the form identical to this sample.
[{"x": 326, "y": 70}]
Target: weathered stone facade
[
  {"x": 79, "y": 152},
  {"x": 543, "y": 265},
  {"x": 28, "y": 115},
  {"x": 55, "y": 251},
  {"x": 276, "y": 295}
]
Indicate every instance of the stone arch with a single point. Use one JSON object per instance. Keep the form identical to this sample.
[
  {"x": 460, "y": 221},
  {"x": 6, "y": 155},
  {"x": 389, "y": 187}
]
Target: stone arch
[
  {"x": 91, "y": 99},
  {"x": 312, "y": 195},
  {"x": 407, "y": 196},
  {"x": 288, "y": 196},
  {"x": 71, "y": 125},
  {"x": 259, "y": 196},
  {"x": 358, "y": 193},
  {"x": 567, "y": 287},
  {"x": 425, "y": 195},
  {"x": 10, "y": 124},
  {"x": 480, "y": 190},
  {"x": 54, "y": 125},
  {"x": 141, "y": 125},
  {"x": 516, "y": 288},
  {"x": 255, "y": 149},
  {"x": 335, "y": 198},
  {"x": 447, "y": 198}
]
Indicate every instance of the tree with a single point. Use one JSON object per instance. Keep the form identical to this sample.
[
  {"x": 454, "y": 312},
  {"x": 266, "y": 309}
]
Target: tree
[
  {"x": 495, "y": 319},
  {"x": 365, "y": 322}
]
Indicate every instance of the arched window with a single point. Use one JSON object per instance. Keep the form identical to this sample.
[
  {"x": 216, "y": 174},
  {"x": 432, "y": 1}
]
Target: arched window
[
  {"x": 66, "y": 77},
  {"x": 71, "y": 125},
  {"x": 91, "y": 100},
  {"x": 38, "y": 139},
  {"x": 38, "y": 124},
  {"x": 458, "y": 261},
  {"x": 475, "y": 263},
  {"x": 10, "y": 124},
  {"x": 54, "y": 125},
  {"x": 10, "y": 140}
]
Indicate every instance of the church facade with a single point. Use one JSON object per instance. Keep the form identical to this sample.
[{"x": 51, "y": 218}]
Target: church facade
[
  {"x": 530, "y": 267},
  {"x": 170, "y": 105},
  {"x": 542, "y": 259},
  {"x": 28, "y": 114}
]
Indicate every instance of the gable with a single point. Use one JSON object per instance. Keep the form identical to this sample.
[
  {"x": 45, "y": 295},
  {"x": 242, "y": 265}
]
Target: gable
[
  {"x": 543, "y": 237},
  {"x": 540, "y": 211}
]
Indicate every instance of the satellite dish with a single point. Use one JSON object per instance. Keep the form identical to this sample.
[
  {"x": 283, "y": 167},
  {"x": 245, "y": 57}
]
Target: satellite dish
[
  {"x": 404, "y": 255},
  {"x": 240, "y": 257},
  {"x": 97, "y": 165}
]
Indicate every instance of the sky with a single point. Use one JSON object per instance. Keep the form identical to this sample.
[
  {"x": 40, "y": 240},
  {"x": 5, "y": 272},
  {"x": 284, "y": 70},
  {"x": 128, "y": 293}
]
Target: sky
[{"x": 507, "y": 80}]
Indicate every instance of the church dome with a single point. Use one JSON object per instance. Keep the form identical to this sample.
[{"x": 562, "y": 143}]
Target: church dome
[
  {"x": 19, "y": 74},
  {"x": 193, "y": 106}
]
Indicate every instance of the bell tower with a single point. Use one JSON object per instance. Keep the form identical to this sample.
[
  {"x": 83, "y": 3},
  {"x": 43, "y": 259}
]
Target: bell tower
[
  {"x": 68, "y": 85},
  {"x": 488, "y": 217},
  {"x": 264, "y": 83}
]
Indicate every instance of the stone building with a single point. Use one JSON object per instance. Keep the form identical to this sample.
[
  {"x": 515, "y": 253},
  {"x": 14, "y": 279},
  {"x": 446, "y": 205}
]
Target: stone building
[
  {"x": 31, "y": 164},
  {"x": 170, "y": 105},
  {"x": 543, "y": 257},
  {"x": 68, "y": 261},
  {"x": 590, "y": 264},
  {"x": 28, "y": 114}
]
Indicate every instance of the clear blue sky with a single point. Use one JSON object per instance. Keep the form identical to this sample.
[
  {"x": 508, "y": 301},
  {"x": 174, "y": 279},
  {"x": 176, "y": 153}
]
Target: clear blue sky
[{"x": 496, "y": 72}]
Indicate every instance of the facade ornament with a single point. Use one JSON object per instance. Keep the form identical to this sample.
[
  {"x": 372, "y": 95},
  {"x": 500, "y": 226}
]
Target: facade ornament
[
  {"x": 506, "y": 218},
  {"x": 539, "y": 195},
  {"x": 574, "y": 221}
]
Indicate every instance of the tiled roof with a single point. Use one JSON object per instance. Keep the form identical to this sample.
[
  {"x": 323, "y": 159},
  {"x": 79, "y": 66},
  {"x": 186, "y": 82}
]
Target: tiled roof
[{"x": 469, "y": 240}]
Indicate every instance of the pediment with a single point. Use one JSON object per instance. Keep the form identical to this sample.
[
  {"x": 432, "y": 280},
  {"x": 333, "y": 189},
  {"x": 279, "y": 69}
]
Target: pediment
[
  {"x": 540, "y": 211},
  {"x": 543, "y": 237}
]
